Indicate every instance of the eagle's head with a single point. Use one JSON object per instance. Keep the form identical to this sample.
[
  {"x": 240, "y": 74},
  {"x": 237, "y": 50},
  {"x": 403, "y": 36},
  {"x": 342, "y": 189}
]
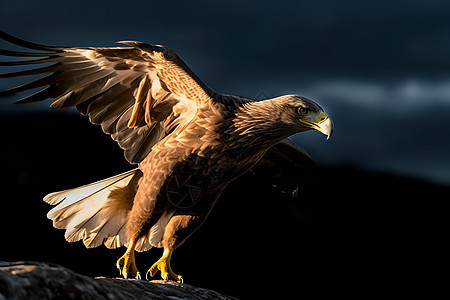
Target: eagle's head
[
  {"x": 275, "y": 119},
  {"x": 302, "y": 114}
]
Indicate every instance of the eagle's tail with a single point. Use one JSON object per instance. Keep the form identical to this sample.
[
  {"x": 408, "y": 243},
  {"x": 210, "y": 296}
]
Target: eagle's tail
[{"x": 97, "y": 212}]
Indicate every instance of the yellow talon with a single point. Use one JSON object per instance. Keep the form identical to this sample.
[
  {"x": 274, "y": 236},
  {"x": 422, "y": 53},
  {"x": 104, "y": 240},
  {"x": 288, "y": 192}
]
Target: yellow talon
[
  {"x": 127, "y": 264},
  {"x": 163, "y": 265}
]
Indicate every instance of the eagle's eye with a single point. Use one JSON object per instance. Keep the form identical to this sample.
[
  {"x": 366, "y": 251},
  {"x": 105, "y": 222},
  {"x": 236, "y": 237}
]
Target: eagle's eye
[{"x": 302, "y": 110}]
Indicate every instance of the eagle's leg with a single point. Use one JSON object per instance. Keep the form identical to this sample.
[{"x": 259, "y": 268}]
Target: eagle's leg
[
  {"x": 163, "y": 265},
  {"x": 179, "y": 228},
  {"x": 126, "y": 264}
]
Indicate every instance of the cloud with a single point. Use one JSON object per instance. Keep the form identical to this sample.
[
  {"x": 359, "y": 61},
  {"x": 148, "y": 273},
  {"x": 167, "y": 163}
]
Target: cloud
[
  {"x": 396, "y": 96},
  {"x": 398, "y": 126}
]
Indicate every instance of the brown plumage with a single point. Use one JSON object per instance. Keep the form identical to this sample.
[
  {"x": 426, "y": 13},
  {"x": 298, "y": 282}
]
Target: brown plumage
[{"x": 188, "y": 140}]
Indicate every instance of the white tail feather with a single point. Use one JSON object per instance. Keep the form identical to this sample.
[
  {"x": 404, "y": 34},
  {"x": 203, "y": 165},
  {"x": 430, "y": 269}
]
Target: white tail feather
[
  {"x": 73, "y": 195},
  {"x": 81, "y": 211},
  {"x": 88, "y": 214}
]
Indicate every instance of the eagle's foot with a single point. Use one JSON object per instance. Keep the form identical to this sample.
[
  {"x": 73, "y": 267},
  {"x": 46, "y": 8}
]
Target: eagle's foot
[
  {"x": 163, "y": 265},
  {"x": 127, "y": 265}
]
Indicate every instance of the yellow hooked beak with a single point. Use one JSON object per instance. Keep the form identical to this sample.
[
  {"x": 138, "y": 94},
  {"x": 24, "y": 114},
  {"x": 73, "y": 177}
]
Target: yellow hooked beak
[{"x": 320, "y": 122}]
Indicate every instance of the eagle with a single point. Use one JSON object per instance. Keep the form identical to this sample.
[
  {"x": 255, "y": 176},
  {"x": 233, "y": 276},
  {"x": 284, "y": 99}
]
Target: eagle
[{"x": 189, "y": 142}]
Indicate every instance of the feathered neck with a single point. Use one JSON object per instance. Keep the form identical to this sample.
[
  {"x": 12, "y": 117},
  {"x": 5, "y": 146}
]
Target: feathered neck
[{"x": 259, "y": 123}]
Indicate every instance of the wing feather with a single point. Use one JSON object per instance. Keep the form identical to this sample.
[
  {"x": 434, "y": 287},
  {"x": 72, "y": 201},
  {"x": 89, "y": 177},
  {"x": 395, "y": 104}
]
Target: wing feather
[
  {"x": 36, "y": 97},
  {"x": 130, "y": 91}
]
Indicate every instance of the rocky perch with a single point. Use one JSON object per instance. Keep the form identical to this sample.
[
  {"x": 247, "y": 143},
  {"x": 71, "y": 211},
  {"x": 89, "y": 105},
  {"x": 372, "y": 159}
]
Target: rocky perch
[{"x": 35, "y": 280}]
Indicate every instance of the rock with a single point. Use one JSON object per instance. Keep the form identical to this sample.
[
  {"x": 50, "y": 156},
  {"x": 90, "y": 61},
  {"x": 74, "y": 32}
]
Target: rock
[{"x": 36, "y": 280}]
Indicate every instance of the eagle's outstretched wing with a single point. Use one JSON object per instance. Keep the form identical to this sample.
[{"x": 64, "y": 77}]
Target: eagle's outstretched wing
[{"x": 138, "y": 94}]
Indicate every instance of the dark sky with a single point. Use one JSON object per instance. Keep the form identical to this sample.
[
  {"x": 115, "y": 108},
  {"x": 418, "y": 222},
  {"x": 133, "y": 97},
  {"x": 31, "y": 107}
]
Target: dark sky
[{"x": 381, "y": 69}]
